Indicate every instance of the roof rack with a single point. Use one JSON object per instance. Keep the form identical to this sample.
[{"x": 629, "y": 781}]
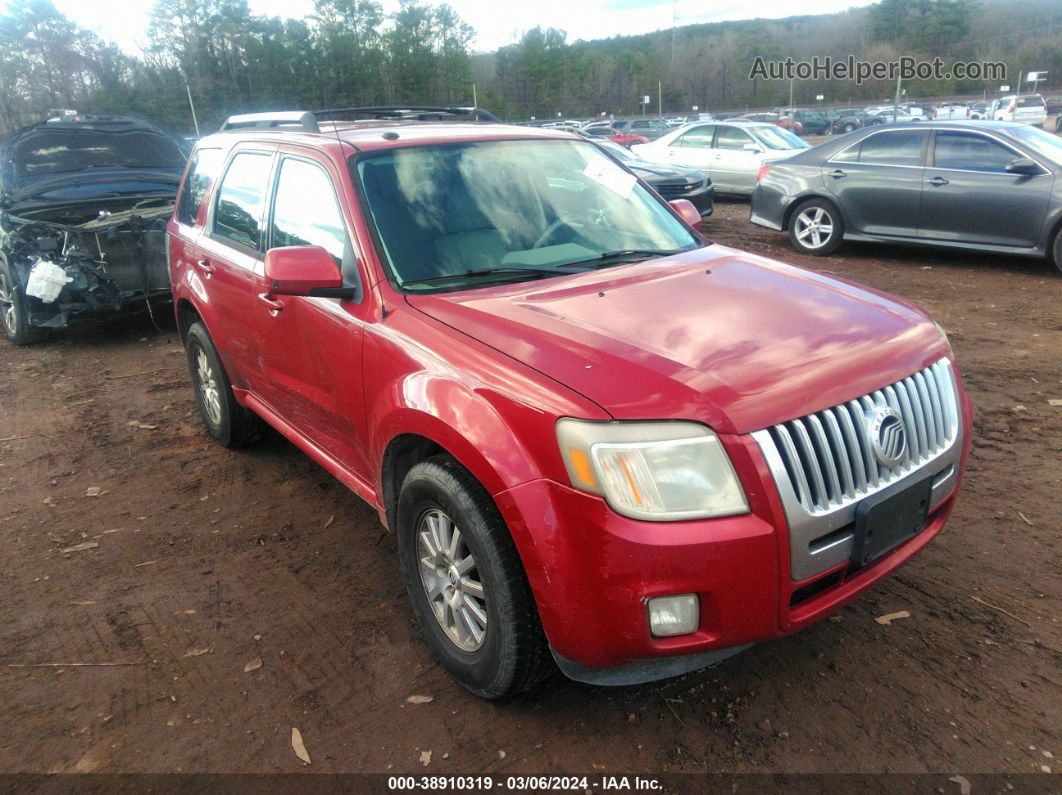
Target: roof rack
[
  {"x": 303, "y": 120},
  {"x": 307, "y": 120}
]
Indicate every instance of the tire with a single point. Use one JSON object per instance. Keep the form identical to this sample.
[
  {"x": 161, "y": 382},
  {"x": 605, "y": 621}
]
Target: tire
[
  {"x": 226, "y": 421},
  {"x": 1056, "y": 250},
  {"x": 509, "y": 654},
  {"x": 13, "y": 315},
  {"x": 849, "y": 127},
  {"x": 823, "y": 214}
]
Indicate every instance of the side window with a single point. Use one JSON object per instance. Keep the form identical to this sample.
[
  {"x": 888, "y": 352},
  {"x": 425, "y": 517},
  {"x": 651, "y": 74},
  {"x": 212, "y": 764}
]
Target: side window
[
  {"x": 971, "y": 152},
  {"x": 305, "y": 212},
  {"x": 640, "y": 124},
  {"x": 206, "y": 163},
  {"x": 896, "y": 148},
  {"x": 241, "y": 196},
  {"x": 731, "y": 138},
  {"x": 699, "y": 137}
]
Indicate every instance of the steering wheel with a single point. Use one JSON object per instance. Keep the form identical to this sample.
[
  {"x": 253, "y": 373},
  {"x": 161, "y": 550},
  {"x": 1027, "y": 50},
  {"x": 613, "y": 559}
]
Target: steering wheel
[{"x": 548, "y": 233}]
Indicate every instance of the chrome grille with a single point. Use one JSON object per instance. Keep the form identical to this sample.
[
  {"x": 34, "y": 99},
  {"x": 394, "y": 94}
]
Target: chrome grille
[{"x": 829, "y": 458}]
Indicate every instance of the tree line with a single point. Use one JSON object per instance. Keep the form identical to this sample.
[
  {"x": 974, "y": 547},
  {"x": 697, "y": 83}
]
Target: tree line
[{"x": 352, "y": 53}]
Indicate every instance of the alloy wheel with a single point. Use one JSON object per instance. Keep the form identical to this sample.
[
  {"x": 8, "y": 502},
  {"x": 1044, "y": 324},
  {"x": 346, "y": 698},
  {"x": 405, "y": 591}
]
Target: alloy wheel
[
  {"x": 814, "y": 227},
  {"x": 7, "y": 305},
  {"x": 208, "y": 387},
  {"x": 451, "y": 581}
]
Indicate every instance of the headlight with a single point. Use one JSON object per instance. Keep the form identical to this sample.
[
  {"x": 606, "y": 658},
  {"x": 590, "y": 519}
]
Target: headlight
[{"x": 652, "y": 470}]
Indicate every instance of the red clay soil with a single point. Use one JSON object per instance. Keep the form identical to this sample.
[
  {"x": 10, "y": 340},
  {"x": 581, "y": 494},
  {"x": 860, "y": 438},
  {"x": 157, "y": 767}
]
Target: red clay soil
[{"x": 206, "y": 601}]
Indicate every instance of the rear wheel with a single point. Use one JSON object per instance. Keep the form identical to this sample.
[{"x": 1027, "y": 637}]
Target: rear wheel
[
  {"x": 849, "y": 127},
  {"x": 226, "y": 420},
  {"x": 466, "y": 582},
  {"x": 1056, "y": 250},
  {"x": 13, "y": 312},
  {"x": 816, "y": 228}
]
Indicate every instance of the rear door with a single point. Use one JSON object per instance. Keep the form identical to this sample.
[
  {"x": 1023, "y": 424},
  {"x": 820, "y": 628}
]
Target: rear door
[
  {"x": 877, "y": 182},
  {"x": 970, "y": 197},
  {"x": 694, "y": 148},
  {"x": 229, "y": 258}
]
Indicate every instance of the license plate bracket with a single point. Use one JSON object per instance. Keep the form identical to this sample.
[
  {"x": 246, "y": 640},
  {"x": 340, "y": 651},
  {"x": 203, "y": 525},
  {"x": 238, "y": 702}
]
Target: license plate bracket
[{"x": 886, "y": 520}]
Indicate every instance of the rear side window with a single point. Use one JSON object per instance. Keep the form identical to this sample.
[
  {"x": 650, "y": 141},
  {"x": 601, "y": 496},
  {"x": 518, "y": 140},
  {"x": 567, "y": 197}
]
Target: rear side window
[
  {"x": 700, "y": 137},
  {"x": 206, "y": 164},
  {"x": 305, "y": 212},
  {"x": 241, "y": 196},
  {"x": 970, "y": 152},
  {"x": 894, "y": 148},
  {"x": 731, "y": 138}
]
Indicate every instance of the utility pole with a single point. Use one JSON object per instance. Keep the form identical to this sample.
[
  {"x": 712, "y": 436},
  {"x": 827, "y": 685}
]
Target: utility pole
[
  {"x": 475, "y": 102},
  {"x": 896, "y": 104},
  {"x": 790, "y": 92},
  {"x": 659, "y": 99}
]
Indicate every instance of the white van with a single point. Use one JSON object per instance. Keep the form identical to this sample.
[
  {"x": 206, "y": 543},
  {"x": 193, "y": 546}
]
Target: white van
[{"x": 1028, "y": 109}]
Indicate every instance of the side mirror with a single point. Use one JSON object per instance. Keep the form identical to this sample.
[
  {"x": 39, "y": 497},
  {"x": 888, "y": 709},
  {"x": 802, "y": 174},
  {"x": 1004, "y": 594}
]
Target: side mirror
[
  {"x": 689, "y": 213},
  {"x": 302, "y": 270},
  {"x": 751, "y": 148},
  {"x": 1023, "y": 165}
]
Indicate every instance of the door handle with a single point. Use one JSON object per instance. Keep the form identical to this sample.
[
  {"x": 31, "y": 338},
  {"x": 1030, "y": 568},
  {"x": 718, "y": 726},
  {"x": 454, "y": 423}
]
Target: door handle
[
  {"x": 205, "y": 266},
  {"x": 837, "y": 174},
  {"x": 937, "y": 181},
  {"x": 273, "y": 304}
]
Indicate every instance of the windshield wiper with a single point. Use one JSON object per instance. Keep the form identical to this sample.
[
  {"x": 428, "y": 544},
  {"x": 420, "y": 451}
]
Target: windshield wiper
[
  {"x": 626, "y": 253},
  {"x": 505, "y": 270}
]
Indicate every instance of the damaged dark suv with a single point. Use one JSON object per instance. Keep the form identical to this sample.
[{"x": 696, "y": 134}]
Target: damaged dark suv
[{"x": 84, "y": 202}]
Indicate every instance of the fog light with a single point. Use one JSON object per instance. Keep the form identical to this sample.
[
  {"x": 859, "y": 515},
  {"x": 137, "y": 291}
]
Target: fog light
[{"x": 674, "y": 615}]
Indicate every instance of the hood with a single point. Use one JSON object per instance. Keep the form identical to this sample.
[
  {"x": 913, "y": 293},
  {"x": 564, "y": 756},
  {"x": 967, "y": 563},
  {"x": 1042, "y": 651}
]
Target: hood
[
  {"x": 644, "y": 168},
  {"x": 731, "y": 339},
  {"x": 90, "y": 160}
]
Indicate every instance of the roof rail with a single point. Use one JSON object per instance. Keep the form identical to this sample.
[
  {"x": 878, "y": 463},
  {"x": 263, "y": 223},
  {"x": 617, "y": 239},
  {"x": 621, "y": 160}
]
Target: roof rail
[
  {"x": 302, "y": 120},
  {"x": 410, "y": 112}
]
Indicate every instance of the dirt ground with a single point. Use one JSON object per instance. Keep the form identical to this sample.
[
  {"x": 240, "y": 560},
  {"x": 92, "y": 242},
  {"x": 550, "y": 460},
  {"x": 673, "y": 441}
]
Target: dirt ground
[{"x": 204, "y": 602}]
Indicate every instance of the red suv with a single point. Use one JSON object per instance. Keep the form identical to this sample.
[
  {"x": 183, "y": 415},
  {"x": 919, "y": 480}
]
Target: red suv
[{"x": 597, "y": 438}]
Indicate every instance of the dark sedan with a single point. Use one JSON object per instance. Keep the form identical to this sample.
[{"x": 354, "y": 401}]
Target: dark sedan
[
  {"x": 989, "y": 186},
  {"x": 671, "y": 182}
]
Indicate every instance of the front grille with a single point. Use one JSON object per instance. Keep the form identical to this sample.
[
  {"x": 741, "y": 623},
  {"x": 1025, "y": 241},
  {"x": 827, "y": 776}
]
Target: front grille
[
  {"x": 672, "y": 189},
  {"x": 828, "y": 456}
]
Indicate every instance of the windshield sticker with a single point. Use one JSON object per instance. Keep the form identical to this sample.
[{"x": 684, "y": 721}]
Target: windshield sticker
[{"x": 611, "y": 176}]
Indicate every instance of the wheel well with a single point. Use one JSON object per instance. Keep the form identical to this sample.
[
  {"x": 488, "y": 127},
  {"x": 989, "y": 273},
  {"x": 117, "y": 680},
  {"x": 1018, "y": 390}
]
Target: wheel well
[
  {"x": 186, "y": 316},
  {"x": 792, "y": 208},
  {"x": 403, "y": 453}
]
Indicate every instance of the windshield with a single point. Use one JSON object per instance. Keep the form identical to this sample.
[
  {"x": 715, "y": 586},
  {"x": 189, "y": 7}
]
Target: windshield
[
  {"x": 1043, "y": 143},
  {"x": 777, "y": 138},
  {"x": 521, "y": 208},
  {"x": 66, "y": 151}
]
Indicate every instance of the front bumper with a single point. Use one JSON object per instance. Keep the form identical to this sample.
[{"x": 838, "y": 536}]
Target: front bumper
[{"x": 592, "y": 572}]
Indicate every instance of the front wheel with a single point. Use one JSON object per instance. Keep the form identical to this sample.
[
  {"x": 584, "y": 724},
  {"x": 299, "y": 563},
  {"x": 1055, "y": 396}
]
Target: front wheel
[
  {"x": 849, "y": 127},
  {"x": 816, "y": 228},
  {"x": 13, "y": 310},
  {"x": 466, "y": 582},
  {"x": 1056, "y": 250}
]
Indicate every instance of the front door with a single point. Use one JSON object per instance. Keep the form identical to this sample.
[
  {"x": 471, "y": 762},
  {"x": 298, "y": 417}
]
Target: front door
[
  {"x": 877, "y": 182},
  {"x": 970, "y": 197},
  {"x": 736, "y": 158},
  {"x": 310, "y": 349}
]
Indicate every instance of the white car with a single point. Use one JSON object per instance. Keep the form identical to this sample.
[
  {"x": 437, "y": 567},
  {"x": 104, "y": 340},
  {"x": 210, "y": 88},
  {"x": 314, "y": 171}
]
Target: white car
[
  {"x": 731, "y": 152},
  {"x": 953, "y": 110},
  {"x": 1028, "y": 109}
]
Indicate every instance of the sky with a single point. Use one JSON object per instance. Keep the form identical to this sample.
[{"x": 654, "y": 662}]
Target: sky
[{"x": 497, "y": 22}]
